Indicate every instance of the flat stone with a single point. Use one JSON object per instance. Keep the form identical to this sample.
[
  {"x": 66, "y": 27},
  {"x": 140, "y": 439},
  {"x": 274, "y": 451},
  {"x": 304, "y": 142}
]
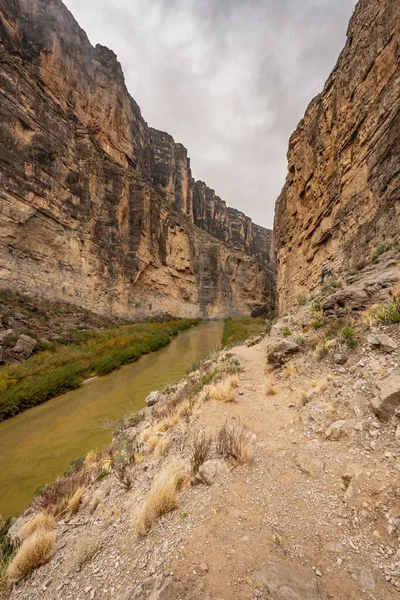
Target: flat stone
[
  {"x": 387, "y": 400},
  {"x": 383, "y": 342},
  {"x": 284, "y": 580}
]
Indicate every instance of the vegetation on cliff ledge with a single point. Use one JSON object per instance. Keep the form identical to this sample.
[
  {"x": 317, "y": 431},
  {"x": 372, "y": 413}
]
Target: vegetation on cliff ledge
[
  {"x": 237, "y": 329},
  {"x": 59, "y": 367}
]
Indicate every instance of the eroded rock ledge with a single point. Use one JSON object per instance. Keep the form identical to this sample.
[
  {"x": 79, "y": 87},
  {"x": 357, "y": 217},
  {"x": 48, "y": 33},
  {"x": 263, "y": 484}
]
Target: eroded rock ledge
[{"x": 98, "y": 209}]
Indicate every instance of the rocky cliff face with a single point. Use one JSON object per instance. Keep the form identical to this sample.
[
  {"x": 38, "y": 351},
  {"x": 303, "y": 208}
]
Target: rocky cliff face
[
  {"x": 96, "y": 208},
  {"x": 341, "y": 197}
]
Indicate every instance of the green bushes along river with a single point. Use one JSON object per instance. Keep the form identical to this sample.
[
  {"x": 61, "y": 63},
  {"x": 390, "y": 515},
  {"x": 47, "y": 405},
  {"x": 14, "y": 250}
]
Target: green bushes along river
[{"x": 58, "y": 367}]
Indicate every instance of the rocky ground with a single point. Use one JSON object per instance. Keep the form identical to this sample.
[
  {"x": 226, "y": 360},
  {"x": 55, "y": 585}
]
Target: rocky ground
[{"x": 314, "y": 515}]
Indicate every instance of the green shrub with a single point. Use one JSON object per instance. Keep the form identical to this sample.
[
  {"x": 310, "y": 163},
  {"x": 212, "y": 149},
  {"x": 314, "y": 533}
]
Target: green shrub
[
  {"x": 238, "y": 329},
  {"x": 302, "y": 300},
  {"x": 347, "y": 336},
  {"x": 300, "y": 341},
  {"x": 105, "y": 365},
  {"x": 388, "y": 313},
  {"x": 286, "y": 332},
  {"x": 36, "y": 390}
]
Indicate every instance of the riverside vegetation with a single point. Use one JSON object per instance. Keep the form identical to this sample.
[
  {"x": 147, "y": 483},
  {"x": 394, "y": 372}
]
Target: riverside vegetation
[{"x": 62, "y": 365}]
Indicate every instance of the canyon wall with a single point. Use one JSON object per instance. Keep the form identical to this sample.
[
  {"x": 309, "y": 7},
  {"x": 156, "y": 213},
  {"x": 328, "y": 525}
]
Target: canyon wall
[
  {"x": 341, "y": 197},
  {"x": 97, "y": 208}
]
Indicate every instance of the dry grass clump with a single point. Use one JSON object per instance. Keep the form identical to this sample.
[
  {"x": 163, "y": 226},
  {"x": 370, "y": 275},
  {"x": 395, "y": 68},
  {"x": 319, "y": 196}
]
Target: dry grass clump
[
  {"x": 161, "y": 498},
  {"x": 233, "y": 441},
  {"x": 224, "y": 391},
  {"x": 34, "y": 551},
  {"x": 290, "y": 371},
  {"x": 162, "y": 446},
  {"x": 75, "y": 500},
  {"x": 199, "y": 450},
  {"x": 54, "y": 497},
  {"x": 86, "y": 546},
  {"x": 42, "y": 521},
  {"x": 270, "y": 389}
]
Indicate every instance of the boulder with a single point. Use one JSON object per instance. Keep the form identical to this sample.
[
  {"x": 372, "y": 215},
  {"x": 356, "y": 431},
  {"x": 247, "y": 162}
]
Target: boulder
[
  {"x": 283, "y": 580},
  {"x": 388, "y": 399},
  {"x": 343, "y": 301},
  {"x": 7, "y": 336},
  {"x": 383, "y": 342},
  {"x": 24, "y": 346},
  {"x": 282, "y": 351},
  {"x": 153, "y": 398},
  {"x": 210, "y": 471}
]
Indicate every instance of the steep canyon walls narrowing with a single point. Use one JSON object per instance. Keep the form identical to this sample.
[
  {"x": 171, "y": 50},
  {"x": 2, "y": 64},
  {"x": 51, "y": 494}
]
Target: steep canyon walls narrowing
[
  {"x": 98, "y": 209},
  {"x": 342, "y": 193}
]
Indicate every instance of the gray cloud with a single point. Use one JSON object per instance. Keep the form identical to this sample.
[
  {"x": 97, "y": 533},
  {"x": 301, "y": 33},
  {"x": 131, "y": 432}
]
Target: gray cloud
[{"x": 230, "y": 79}]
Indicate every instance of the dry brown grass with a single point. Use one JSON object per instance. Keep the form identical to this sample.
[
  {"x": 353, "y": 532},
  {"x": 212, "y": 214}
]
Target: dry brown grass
[
  {"x": 290, "y": 371},
  {"x": 42, "y": 521},
  {"x": 233, "y": 441},
  {"x": 162, "y": 446},
  {"x": 199, "y": 450},
  {"x": 270, "y": 389},
  {"x": 75, "y": 500},
  {"x": 34, "y": 551},
  {"x": 86, "y": 546},
  {"x": 224, "y": 391},
  {"x": 54, "y": 497},
  {"x": 161, "y": 498}
]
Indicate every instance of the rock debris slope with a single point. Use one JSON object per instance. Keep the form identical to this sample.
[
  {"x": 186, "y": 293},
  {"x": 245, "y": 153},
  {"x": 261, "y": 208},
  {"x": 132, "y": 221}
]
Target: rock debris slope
[
  {"x": 98, "y": 209},
  {"x": 341, "y": 197}
]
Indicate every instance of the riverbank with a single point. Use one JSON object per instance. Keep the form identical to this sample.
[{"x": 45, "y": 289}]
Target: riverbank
[{"x": 65, "y": 364}]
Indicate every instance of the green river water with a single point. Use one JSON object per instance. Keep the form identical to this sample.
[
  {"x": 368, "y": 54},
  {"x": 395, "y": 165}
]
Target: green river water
[{"x": 40, "y": 443}]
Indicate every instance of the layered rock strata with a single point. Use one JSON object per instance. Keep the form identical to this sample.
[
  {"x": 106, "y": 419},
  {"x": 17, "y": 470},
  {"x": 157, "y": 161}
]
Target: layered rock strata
[
  {"x": 341, "y": 197},
  {"x": 96, "y": 208}
]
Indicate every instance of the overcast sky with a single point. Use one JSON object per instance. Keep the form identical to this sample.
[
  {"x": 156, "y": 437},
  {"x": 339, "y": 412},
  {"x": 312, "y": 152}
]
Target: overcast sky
[{"x": 229, "y": 79}]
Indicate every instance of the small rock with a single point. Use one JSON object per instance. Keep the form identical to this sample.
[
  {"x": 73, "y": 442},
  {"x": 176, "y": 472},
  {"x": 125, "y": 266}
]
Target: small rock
[
  {"x": 309, "y": 464},
  {"x": 336, "y": 430},
  {"x": 210, "y": 471}
]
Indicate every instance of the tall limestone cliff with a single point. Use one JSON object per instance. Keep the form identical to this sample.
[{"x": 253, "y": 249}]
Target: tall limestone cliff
[
  {"x": 342, "y": 193},
  {"x": 96, "y": 208}
]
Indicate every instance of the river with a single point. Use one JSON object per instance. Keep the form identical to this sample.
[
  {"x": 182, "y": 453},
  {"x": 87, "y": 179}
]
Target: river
[{"x": 39, "y": 444}]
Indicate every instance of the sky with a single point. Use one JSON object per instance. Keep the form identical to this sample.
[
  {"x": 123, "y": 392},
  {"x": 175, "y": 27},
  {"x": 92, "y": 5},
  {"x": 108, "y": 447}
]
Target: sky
[{"x": 229, "y": 79}]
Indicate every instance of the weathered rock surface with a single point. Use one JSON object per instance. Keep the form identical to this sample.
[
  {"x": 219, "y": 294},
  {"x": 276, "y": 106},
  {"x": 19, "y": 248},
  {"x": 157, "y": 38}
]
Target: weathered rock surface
[
  {"x": 96, "y": 208},
  {"x": 24, "y": 346},
  {"x": 282, "y": 351},
  {"x": 387, "y": 400},
  {"x": 340, "y": 200},
  {"x": 284, "y": 580}
]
